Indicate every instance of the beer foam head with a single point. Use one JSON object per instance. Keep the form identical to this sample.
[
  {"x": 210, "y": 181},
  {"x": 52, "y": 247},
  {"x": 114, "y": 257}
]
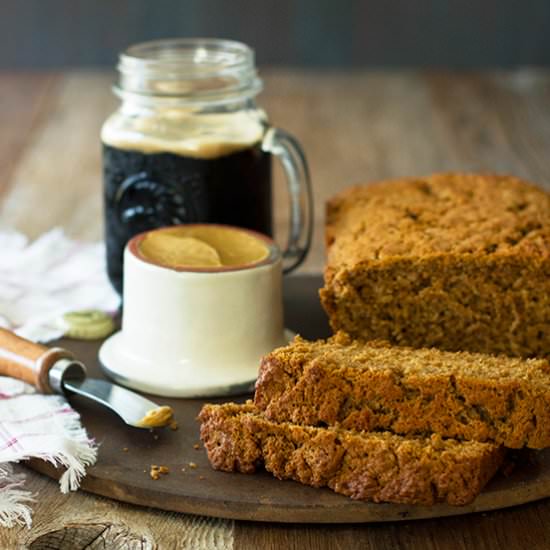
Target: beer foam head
[{"x": 182, "y": 133}]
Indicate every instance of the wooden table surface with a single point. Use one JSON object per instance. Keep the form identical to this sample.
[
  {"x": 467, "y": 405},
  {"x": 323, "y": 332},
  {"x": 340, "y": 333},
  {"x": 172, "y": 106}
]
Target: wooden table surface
[{"x": 355, "y": 126}]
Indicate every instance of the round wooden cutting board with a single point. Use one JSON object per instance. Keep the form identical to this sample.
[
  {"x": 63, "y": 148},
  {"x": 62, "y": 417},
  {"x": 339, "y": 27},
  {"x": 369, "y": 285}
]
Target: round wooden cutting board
[{"x": 126, "y": 455}]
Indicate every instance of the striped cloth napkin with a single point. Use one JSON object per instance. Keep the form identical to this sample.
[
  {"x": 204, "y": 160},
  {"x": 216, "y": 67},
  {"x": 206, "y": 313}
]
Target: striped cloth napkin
[
  {"x": 37, "y": 426},
  {"x": 39, "y": 282}
]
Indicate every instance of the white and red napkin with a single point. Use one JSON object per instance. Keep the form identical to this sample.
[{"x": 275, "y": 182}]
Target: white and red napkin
[
  {"x": 42, "y": 280},
  {"x": 37, "y": 426},
  {"x": 39, "y": 282}
]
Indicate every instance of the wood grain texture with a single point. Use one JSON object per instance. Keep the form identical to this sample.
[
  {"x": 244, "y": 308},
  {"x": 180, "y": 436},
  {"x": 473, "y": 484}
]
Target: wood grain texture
[
  {"x": 77, "y": 521},
  {"x": 516, "y": 528},
  {"x": 28, "y": 361},
  {"x": 57, "y": 180},
  {"x": 23, "y": 105},
  {"x": 355, "y": 127}
]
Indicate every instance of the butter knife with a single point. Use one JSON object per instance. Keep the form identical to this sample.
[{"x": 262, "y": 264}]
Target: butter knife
[{"x": 56, "y": 370}]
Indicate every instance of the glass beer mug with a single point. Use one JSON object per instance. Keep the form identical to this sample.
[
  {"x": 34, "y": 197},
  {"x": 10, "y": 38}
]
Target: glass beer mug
[{"x": 189, "y": 145}]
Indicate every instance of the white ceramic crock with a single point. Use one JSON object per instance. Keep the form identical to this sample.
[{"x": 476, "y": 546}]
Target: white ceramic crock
[{"x": 195, "y": 332}]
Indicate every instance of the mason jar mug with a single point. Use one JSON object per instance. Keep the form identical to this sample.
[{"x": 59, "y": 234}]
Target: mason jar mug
[{"x": 190, "y": 145}]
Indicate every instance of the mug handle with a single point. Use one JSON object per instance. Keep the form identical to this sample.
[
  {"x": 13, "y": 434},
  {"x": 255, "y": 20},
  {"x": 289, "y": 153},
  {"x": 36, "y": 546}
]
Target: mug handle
[{"x": 287, "y": 149}]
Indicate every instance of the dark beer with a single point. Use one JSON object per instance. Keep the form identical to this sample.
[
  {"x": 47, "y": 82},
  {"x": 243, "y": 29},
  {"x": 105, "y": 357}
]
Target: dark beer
[{"x": 144, "y": 190}]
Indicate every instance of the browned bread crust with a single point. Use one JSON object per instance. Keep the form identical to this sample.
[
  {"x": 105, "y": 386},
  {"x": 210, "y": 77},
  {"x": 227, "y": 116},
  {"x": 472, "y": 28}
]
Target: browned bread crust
[
  {"x": 456, "y": 261},
  {"x": 372, "y": 386},
  {"x": 382, "y": 467}
]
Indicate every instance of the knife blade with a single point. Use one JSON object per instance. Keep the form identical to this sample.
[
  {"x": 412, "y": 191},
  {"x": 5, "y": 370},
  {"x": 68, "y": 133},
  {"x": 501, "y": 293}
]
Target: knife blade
[{"x": 56, "y": 370}]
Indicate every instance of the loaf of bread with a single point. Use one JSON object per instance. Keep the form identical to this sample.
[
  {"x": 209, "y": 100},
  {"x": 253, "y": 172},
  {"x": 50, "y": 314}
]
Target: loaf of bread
[
  {"x": 382, "y": 467},
  {"x": 374, "y": 386},
  {"x": 455, "y": 261}
]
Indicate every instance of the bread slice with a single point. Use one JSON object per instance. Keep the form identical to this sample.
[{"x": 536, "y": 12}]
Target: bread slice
[
  {"x": 373, "y": 386},
  {"x": 381, "y": 467},
  {"x": 454, "y": 261}
]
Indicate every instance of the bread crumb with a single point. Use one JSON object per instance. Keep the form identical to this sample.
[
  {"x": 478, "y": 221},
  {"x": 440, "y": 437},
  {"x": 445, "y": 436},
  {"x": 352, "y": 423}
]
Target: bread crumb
[
  {"x": 157, "y": 471},
  {"x": 201, "y": 477},
  {"x": 196, "y": 446},
  {"x": 192, "y": 465},
  {"x": 173, "y": 425},
  {"x": 124, "y": 449}
]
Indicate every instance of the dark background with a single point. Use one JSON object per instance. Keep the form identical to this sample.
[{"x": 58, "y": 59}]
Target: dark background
[{"x": 316, "y": 33}]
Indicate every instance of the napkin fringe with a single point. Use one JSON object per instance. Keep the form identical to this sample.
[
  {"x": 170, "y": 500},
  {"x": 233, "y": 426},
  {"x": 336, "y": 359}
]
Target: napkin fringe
[
  {"x": 83, "y": 455},
  {"x": 79, "y": 453},
  {"x": 14, "y": 509}
]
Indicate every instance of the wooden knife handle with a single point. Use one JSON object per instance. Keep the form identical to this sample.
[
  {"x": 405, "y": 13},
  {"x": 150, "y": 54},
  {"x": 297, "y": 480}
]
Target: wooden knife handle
[{"x": 28, "y": 361}]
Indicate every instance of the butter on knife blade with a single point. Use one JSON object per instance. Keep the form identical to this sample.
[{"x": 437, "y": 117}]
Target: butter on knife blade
[{"x": 157, "y": 418}]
